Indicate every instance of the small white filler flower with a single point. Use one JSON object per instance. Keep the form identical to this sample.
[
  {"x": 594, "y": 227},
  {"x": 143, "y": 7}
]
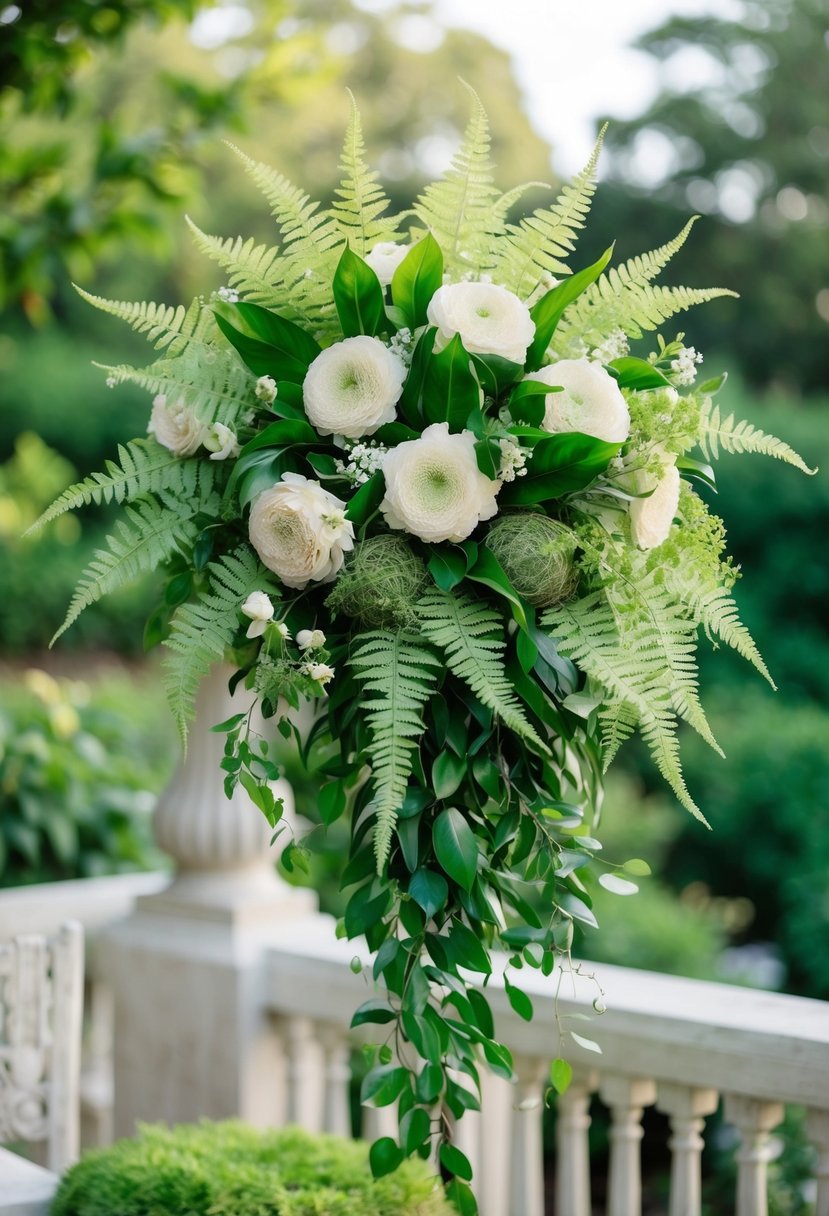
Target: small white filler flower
[
  {"x": 300, "y": 531},
  {"x": 434, "y": 488},
  {"x": 259, "y": 608},
  {"x": 320, "y": 672},
  {"x": 352, "y": 387},
  {"x": 591, "y": 401},
  {"x": 489, "y": 319}
]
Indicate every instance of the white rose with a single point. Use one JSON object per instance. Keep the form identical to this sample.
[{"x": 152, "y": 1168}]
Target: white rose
[
  {"x": 310, "y": 639},
  {"x": 434, "y": 488},
  {"x": 176, "y": 427},
  {"x": 591, "y": 401},
  {"x": 260, "y": 610},
  {"x": 300, "y": 531},
  {"x": 221, "y": 441},
  {"x": 489, "y": 319},
  {"x": 352, "y": 387},
  {"x": 651, "y": 518},
  {"x": 384, "y": 258}
]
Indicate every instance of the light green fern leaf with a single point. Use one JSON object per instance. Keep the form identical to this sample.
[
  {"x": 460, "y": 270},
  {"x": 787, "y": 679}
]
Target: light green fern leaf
[
  {"x": 145, "y": 467},
  {"x": 399, "y": 674},
  {"x": 717, "y": 432},
  {"x": 472, "y": 637},
  {"x": 540, "y": 244},
  {"x": 154, "y": 530},
  {"x": 162, "y": 323},
  {"x": 634, "y": 673},
  {"x": 360, "y": 201},
  {"x": 459, "y": 209},
  {"x": 714, "y": 609},
  {"x": 219, "y": 390},
  {"x": 251, "y": 269},
  {"x": 202, "y": 629}
]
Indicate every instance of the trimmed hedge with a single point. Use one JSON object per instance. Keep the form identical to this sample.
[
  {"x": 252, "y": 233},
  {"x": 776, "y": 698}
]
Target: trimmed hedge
[{"x": 230, "y": 1169}]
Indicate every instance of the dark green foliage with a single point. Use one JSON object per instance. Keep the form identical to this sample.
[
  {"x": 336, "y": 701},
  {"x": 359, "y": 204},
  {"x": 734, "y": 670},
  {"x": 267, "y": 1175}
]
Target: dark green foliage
[
  {"x": 78, "y": 778},
  {"x": 229, "y": 1169}
]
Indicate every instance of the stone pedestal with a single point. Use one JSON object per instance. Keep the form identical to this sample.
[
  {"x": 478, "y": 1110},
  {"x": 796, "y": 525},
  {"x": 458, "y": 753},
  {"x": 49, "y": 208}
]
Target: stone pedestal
[{"x": 192, "y": 1039}]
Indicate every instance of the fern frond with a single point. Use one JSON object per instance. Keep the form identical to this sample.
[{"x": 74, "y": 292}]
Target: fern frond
[
  {"x": 459, "y": 208},
  {"x": 736, "y": 437},
  {"x": 472, "y": 637},
  {"x": 218, "y": 391},
  {"x": 399, "y": 674},
  {"x": 162, "y": 323},
  {"x": 360, "y": 201},
  {"x": 540, "y": 244},
  {"x": 714, "y": 609},
  {"x": 145, "y": 468},
  {"x": 638, "y": 667},
  {"x": 153, "y": 532},
  {"x": 252, "y": 269},
  {"x": 299, "y": 217},
  {"x": 202, "y": 629}
]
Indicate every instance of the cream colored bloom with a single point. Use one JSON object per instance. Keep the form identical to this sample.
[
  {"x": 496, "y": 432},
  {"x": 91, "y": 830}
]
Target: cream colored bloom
[
  {"x": 266, "y": 389},
  {"x": 353, "y": 387},
  {"x": 176, "y": 427},
  {"x": 260, "y": 610},
  {"x": 434, "y": 488},
  {"x": 300, "y": 531},
  {"x": 651, "y": 518},
  {"x": 489, "y": 319},
  {"x": 384, "y": 258},
  {"x": 591, "y": 401},
  {"x": 221, "y": 441},
  {"x": 310, "y": 639},
  {"x": 320, "y": 672}
]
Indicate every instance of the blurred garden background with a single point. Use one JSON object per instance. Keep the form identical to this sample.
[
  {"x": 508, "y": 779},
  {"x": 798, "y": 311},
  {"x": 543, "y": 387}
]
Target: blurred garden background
[{"x": 113, "y": 117}]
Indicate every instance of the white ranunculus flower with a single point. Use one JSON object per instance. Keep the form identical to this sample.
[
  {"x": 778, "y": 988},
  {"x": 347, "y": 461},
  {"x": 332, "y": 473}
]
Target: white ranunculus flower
[
  {"x": 384, "y": 258},
  {"x": 353, "y": 387},
  {"x": 320, "y": 672},
  {"x": 434, "y": 488},
  {"x": 221, "y": 441},
  {"x": 591, "y": 401},
  {"x": 489, "y": 319},
  {"x": 651, "y": 518},
  {"x": 300, "y": 531},
  {"x": 310, "y": 639},
  {"x": 176, "y": 427},
  {"x": 260, "y": 610}
]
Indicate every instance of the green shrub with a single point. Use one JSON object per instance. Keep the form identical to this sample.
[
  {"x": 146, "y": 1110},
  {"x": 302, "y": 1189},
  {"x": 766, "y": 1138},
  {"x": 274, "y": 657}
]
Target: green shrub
[
  {"x": 229, "y": 1169},
  {"x": 79, "y": 771}
]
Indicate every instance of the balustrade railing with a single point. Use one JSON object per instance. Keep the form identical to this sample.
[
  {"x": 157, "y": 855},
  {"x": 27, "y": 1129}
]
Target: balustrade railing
[{"x": 679, "y": 1046}]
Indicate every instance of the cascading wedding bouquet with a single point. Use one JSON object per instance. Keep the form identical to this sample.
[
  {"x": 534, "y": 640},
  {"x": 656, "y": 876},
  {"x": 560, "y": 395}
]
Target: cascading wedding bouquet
[{"x": 419, "y": 479}]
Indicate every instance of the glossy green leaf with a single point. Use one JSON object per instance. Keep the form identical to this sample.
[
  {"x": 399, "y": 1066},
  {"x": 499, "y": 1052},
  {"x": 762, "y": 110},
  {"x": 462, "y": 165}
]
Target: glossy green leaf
[
  {"x": 448, "y": 771},
  {"x": 520, "y": 1002},
  {"x": 488, "y": 455},
  {"x": 460, "y": 1194},
  {"x": 587, "y": 1044},
  {"x": 364, "y": 909},
  {"x": 269, "y": 344},
  {"x": 496, "y": 375},
  {"x": 374, "y": 1012},
  {"x": 366, "y": 501},
  {"x": 358, "y": 297},
  {"x": 411, "y": 407},
  {"x": 450, "y": 390},
  {"x": 429, "y": 1083},
  {"x": 549, "y": 310},
  {"x": 384, "y": 1157},
  {"x": 447, "y": 567},
  {"x": 617, "y": 885},
  {"x": 559, "y": 464},
  {"x": 415, "y": 1129},
  {"x": 416, "y": 280},
  {"x": 383, "y": 1085},
  {"x": 455, "y": 1162},
  {"x": 455, "y": 847},
  {"x": 561, "y": 1074},
  {"x": 637, "y": 867},
  {"x": 429, "y": 890},
  {"x": 465, "y": 949},
  {"x": 331, "y": 802},
  {"x": 637, "y": 373}
]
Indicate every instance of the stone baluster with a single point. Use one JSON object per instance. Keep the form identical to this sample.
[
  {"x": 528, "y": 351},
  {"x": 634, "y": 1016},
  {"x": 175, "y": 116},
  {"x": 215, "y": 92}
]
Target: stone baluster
[
  {"x": 754, "y": 1120},
  {"x": 626, "y": 1098},
  {"x": 466, "y": 1133},
  {"x": 337, "y": 1077},
  {"x": 687, "y": 1109},
  {"x": 492, "y": 1186},
  {"x": 817, "y": 1129},
  {"x": 527, "y": 1182},
  {"x": 306, "y": 1083},
  {"x": 572, "y": 1149}
]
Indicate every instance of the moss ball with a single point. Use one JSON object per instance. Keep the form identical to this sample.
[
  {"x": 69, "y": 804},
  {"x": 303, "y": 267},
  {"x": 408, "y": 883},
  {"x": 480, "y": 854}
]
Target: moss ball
[
  {"x": 537, "y": 555},
  {"x": 379, "y": 584}
]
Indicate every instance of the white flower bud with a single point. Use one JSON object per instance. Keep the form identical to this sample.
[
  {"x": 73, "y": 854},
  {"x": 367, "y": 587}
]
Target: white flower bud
[
  {"x": 310, "y": 639},
  {"x": 651, "y": 518},
  {"x": 260, "y": 610},
  {"x": 221, "y": 442},
  {"x": 266, "y": 389},
  {"x": 384, "y": 258},
  {"x": 320, "y": 672}
]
